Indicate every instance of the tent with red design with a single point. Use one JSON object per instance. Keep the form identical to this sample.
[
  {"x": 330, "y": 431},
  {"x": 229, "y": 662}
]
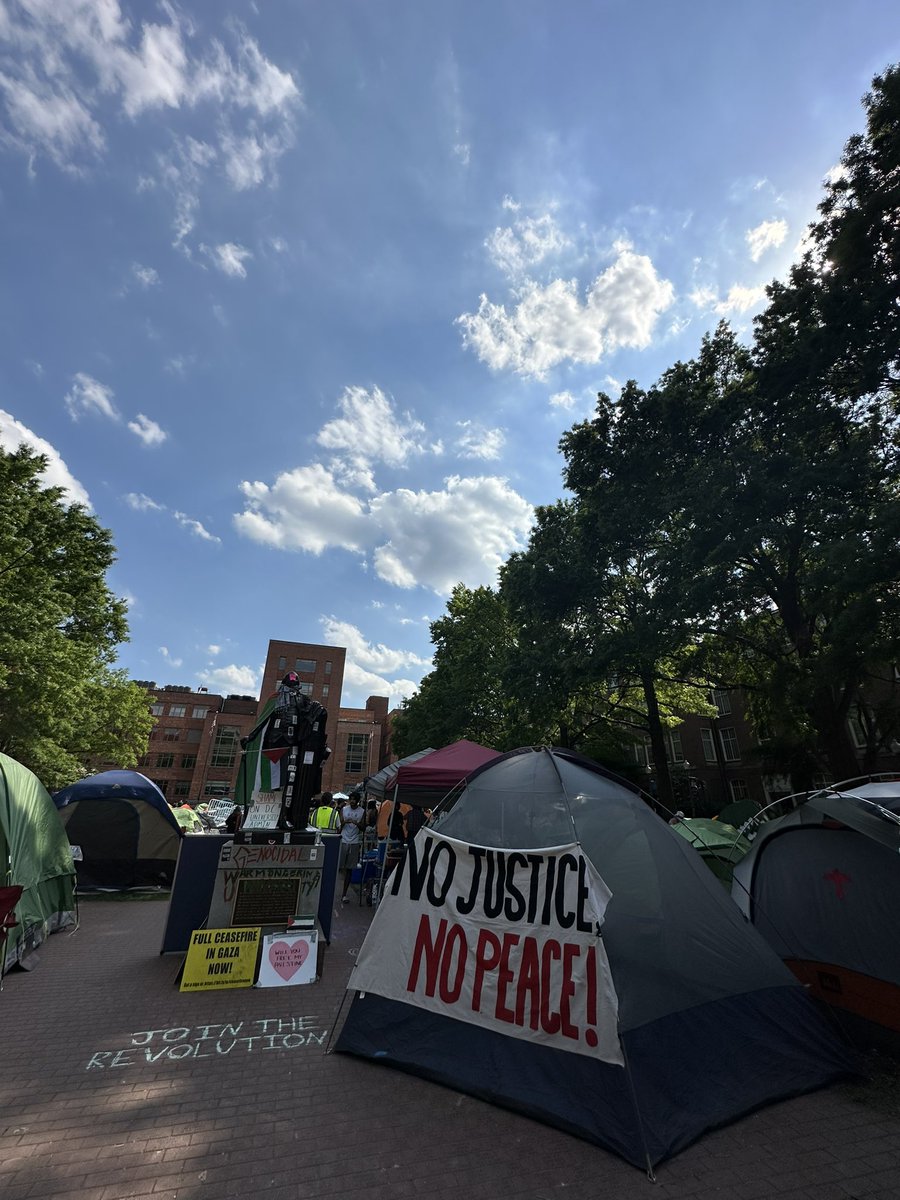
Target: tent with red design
[{"x": 822, "y": 885}]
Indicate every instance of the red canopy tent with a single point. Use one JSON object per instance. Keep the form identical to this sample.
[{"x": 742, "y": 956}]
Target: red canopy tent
[{"x": 427, "y": 780}]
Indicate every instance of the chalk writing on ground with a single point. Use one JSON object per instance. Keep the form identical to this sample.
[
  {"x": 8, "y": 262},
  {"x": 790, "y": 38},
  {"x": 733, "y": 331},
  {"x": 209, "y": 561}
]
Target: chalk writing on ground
[{"x": 211, "y": 1041}]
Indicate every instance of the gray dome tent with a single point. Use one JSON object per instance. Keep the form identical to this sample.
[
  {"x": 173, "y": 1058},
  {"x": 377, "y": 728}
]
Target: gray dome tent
[
  {"x": 711, "y": 1023},
  {"x": 822, "y": 885}
]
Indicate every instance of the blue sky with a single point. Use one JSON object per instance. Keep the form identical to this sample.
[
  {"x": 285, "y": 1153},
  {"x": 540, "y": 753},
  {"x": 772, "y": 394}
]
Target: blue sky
[{"x": 299, "y": 297}]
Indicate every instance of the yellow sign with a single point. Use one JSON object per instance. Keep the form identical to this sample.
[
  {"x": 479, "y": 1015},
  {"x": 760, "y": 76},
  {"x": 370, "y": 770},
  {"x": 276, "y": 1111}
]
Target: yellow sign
[{"x": 220, "y": 958}]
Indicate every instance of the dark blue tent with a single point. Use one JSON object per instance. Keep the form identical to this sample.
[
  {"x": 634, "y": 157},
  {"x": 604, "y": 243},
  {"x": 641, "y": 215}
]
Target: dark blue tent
[
  {"x": 711, "y": 1022},
  {"x": 124, "y": 828}
]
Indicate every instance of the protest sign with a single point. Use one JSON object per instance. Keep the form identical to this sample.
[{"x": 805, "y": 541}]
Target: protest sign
[
  {"x": 220, "y": 958},
  {"x": 506, "y": 939}
]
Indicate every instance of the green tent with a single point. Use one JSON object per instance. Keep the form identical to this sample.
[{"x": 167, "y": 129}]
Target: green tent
[
  {"x": 35, "y": 854},
  {"x": 720, "y": 845}
]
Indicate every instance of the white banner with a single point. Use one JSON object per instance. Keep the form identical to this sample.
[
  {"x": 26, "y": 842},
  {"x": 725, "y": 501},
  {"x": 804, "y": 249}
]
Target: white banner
[{"x": 507, "y": 939}]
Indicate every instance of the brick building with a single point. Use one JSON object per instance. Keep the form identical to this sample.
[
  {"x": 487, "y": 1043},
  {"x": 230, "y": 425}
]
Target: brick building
[
  {"x": 194, "y": 752},
  {"x": 715, "y": 760}
]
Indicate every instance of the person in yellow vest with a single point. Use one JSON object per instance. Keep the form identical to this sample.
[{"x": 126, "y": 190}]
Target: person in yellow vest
[{"x": 326, "y": 815}]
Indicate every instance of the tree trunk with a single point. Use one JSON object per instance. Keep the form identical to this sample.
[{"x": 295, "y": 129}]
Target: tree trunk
[
  {"x": 657, "y": 744},
  {"x": 830, "y": 718}
]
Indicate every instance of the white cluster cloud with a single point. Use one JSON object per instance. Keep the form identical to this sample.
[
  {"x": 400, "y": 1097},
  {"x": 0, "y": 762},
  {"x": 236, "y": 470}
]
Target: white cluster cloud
[
  {"x": 229, "y": 258},
  {"x": 56, "y": 474},
  {"x": 195, "y": 527},
  {"x": 369, "y": 666},
  {"x": 69, "y": 69},
  {"x": 368, "y": 432},
  {"x": 148, "y": 431},
  {"x": 766, "y": 236},
  {"x": 142, "y": 503},
  {"x": 564, "y": 400},
  {"x": 147, "y": 277},
  {"x": 529, "y": 240},
  {"x": 550, "y": 325},
  {"x": 740, "y": 299},
  {"x": 232, "y": 680},
  {"x": 460, "y": 532},
  {"x": 477, "y": 442},
  {"x": 89, "y": 396},
  {"x": 166, "y": 654}
]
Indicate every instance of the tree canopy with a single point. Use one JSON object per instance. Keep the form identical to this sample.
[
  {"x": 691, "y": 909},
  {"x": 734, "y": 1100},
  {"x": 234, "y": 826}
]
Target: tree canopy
[
  {"x": 62, "y": 703},
  {"x": 737, "y": 523}
]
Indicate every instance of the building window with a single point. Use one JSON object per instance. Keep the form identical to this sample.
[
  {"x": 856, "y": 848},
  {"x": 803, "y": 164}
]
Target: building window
[
  {"x": 857, "y": 731},
  {"x": 162, "y": 784},
  {"x": 739, "y": 790},
  {"x": 325, "y": 689},
  {"x": 305, "y": 689},
  {"x": 165, "y": 760},
  {"x": 177, "y": 710},
  {"x": 157, "y": 709},
  {"x": 328, "y": 668},
  {"x": 677, "y": 750},
  {"x": 192, "y": 735},
  {"x": 225, "y": 746},
  {"x": 306, "y": 665},
  {"x": 730, "y": 746},
  {"x": 188, "y": 761},
  {"x": 182, "y": 788},
  {"x": 722, "y": 701},
  {"x": 217, "y": 788},
  {"x": 642, "y": 754},
  {"x": 282, "y": 663},
  {"x": 357, "y": 752},
  {"x": 199, "y": 713},
  {"x": 170, "y": 734},
  {"x": 709, "y": 746}
]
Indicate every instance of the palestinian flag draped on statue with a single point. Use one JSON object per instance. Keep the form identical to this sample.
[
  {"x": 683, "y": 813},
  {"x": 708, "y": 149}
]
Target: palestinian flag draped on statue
[{"x": 261, "y": 768}]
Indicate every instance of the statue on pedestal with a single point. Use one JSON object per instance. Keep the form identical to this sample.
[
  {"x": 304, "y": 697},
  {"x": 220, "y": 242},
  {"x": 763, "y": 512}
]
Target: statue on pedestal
[{"x": 288, "y": 747}]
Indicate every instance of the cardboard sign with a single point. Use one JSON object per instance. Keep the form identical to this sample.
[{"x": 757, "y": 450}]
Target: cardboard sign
[
  {"x": 288, "y": 959},
  {"x": 506, "y": 939},
  {"x": 220, "y": 958},
  {"x": 263, "y": 812}
]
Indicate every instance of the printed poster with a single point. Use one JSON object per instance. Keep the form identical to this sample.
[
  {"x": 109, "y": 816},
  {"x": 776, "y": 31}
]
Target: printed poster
[
  {"x": 219, "y": 959},
  {"x": 506, "y": 939}
]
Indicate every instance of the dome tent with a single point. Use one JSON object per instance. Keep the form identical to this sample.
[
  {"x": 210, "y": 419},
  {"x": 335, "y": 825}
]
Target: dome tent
[
  {"x": 126, "y": 831},
  {"x": 822, "y": 886},
  {"x": 689, "y": 973},
  {"x": 35, "y": 855}
]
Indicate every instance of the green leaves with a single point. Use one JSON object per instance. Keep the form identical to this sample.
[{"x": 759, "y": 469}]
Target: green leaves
[{"x": 61, "y": 704}]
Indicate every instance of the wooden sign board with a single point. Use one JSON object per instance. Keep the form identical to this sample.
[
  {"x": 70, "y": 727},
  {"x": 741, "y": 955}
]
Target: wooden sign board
[{"x": 219, "y": 959}]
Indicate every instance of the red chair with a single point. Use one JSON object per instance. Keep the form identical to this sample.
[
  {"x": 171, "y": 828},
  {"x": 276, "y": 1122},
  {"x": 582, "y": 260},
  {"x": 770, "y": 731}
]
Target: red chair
[{"x": 9, "y": 898}]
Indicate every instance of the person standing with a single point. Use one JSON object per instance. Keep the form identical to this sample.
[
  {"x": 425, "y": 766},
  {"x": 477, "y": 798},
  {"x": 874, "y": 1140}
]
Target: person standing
[
  {"x": 351, "y": 820},
  {"x": 325, "y": 816}
]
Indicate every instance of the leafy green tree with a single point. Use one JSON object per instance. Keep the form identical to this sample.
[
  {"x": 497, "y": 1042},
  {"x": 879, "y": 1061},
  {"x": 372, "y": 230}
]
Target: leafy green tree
[
  {"x": 61, "y": 702},
  {"x": 463, "y": 695}
]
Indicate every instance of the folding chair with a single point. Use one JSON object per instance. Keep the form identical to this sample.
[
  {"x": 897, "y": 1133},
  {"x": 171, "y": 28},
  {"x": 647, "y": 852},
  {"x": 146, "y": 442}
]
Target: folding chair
[{"x": 9, "y": 898}]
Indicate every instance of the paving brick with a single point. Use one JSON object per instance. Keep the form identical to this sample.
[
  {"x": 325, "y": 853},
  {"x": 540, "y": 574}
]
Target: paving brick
[{"x": 243, "y": 1120}]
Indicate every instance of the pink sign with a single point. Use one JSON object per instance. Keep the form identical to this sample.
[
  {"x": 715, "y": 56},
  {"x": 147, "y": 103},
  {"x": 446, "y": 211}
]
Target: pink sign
[{"x": 288, "y": 959}]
